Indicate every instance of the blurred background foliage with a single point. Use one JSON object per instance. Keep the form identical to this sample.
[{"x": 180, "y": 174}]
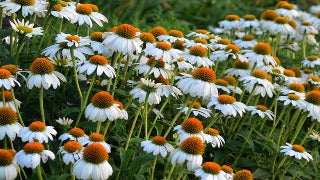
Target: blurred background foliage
[{"x": 184, "y": 15}]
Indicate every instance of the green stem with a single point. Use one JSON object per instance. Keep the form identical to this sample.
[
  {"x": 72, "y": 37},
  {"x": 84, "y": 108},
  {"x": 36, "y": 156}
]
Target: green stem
[
  {"x": 41, "y": 104},
  {"x": 288, "y": 163},
  {"x": 299, "y": 126},
  {"x": 83, "y": 105},
  {"x": 3, "y": 97},
  {"x": 60, "y": 25},
  {"x": 17, "y": 107},
  {"x": 171, "y": 171},
  {"x": 176, "y": 117},
  {"x": 46, "y": 28},
  {"x": 308, "y": 132},
  {"x": 133, "y": 125},
  {"x": 106, "y": 128},
  {"x": 251, "y": 94},
  {"x": 279, "y": 118},
  {"x": 39, "y": 174},
  {"x": 304, "y": 45},
  {"x": 153, "y": 167},
  {"x": 157, "y": 116},
  {"x": 146, "y": 103},
  {"x": 244, "y": 144},
  {"x": 98, "y": 127},
  {"x": 75, "y": 73},
  {"x": 117, "y": 77},
  {"x": 214, "y": 119},
  {"x": 19, "y": 50}
]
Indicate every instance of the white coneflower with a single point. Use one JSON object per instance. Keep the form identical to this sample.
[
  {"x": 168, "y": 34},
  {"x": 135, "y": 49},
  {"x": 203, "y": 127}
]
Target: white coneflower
[
  {"x": 198, "y": 42},
  {"x": 147, "y": 86},
  {"x": 66, "y": 42},
  {"x": 8, "y": 123},
  {"x": 42, "y": 73},
  {"x": 93, "y": 164},
  {"x": 155, "y": 90},
  {"x": 160, "y": 68},
  {"x": 307, "y": 28},
  {"x": 62, "y": 10},
  {"x": 86, "y": 13},
  {"x": 124, "y": 113},
  {"x": 162, "y": 50},
  {"x": 157, "y": 145},
  {"x": 243, "y": 174},
  {"x": 190, "y": 127},
  {"x": 246, "y": 42},
  {"x": 293, "y": 100},
  {"x": 311, "y": 61},
  {"x": 228, "y": 170},
  {"x": 227, "y": 105},
  {"x": 293, "y": 88},
  {"x": 261, "y": 53},
  {"x": 230, "y": 22},
  {"x": 249, "y": 21},
  {"x": 313, "y": 104},
  {"x": 259, "y": 82},
  {"x": 71, "y": 151},
  {"x": 123, "y": 40},
  {"x": 37, "y": 131},
  {"x": 27, "y": 7},
  {"x": 239, "y": 69},
  {"x": 25, "y": 28},
  {"x": 287, "y": 10},
  {"x": 198, "y": 56},
  {"x": 8, "y": 167},
  {"x": 95, "y": 137},
  {"x": 296, "y": 151},
  {"x": 213, "y": 137},
  {"x": 282, "y": 27},
  {"x": 7, "y": 81},
  {"x": 102, "y": 107},
  {"x": 98, "y": 64},
  {"x": 197, "y": 110},
  {"x": 199, "y": 84},
  {"x": 261, "y": 110},
  {"x": 210, "y": 171},
  {"x": 230, "y": 51},
  {"x": 183, "y": 65},
  {"x": 190, "y": 151},
  {"x": 74, "y": 134},
  {"x": 172, "y": 36},
  {"x": 32, "y": 154},
  {"x": 9, "y": 101},
  {"x": 220, "y": 44},
  {"x": 96, "y": 39},
  {"x": 200, "y": 33},
  {"x": 267, "y": 19}
]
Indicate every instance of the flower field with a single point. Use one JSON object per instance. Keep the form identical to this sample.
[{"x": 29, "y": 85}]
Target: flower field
[{"x": 151, "y": 90}]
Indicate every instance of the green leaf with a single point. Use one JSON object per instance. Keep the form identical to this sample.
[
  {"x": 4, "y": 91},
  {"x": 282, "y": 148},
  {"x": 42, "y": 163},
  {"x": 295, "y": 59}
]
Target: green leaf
[
  {"x": 125, "y": 157},
  {"x": 159, "y": 128},
  {"x": 67, "y": 111},
  {"x": 261, "y": 174},
  {"x": 135, "y": 165}
]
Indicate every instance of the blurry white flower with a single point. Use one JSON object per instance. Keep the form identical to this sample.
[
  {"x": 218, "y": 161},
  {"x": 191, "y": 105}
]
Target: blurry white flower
[
  {"x": 65, "y": 121},
  {"x": 25, "y": 28}
]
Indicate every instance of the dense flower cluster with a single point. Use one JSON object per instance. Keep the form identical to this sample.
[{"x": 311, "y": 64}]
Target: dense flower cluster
[{"x": 174, "y": 99}]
